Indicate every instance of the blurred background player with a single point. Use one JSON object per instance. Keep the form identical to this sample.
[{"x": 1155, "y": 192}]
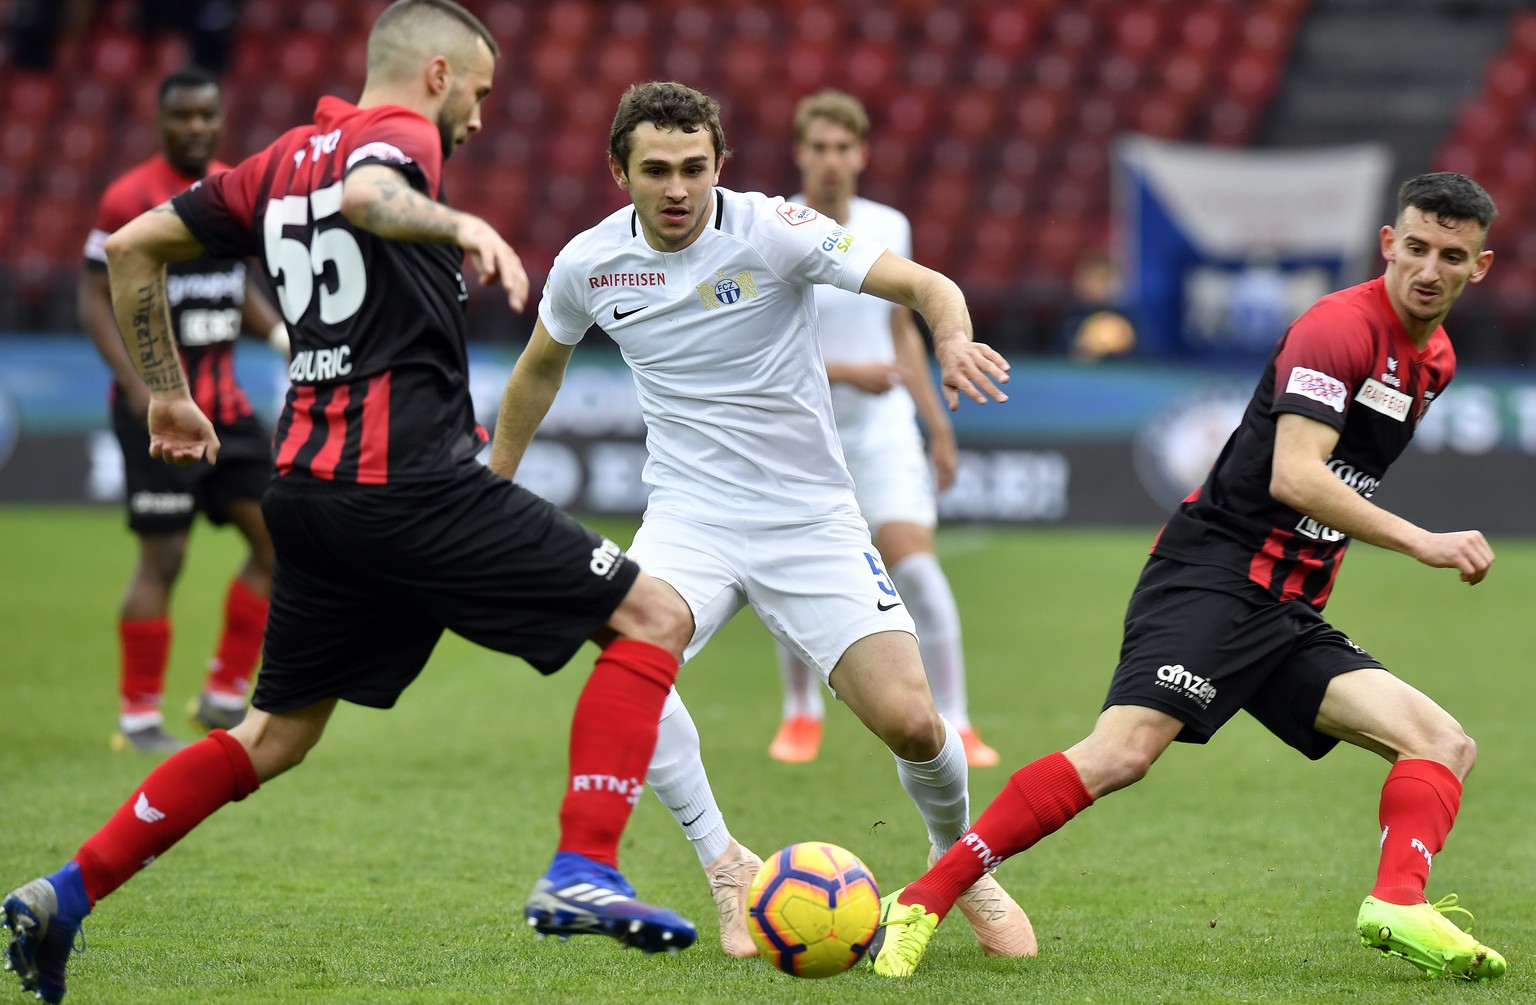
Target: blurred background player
[
  {"x": 1228, "y": 613},
  {"x": 878, "y": 368},
  {"x": 211, "y": 301}
]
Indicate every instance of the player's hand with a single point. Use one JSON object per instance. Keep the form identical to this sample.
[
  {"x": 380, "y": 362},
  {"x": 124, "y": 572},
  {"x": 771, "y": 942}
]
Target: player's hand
[
  {"x": 945, "y": 458},
  {"x": 973, "y": 369},
  {"x": 1464, "y": 550},
  {"x": 180, "y": 433},
  {"x": 494, "y": 260},
  {"x": 871, "y": 378}
]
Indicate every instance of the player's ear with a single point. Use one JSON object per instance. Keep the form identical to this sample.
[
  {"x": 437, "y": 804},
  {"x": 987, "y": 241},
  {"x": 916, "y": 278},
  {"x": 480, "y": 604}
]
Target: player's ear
[
  {"x": 439, "y": 75},
  {"x": 620, "y": 176},
  {"x": 1480, "y": 267},
  {"x": 1388, "y": 240}
]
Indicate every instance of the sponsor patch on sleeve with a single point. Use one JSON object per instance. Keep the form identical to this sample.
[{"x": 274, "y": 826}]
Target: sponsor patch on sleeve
[
  {"x": 379, "y": 151},
  {"x": 837, "y": 241},
  {"x": 96, "y": 245},
  {"x": 1317, "y": 386},
  {"x": 796, "y": 215},
  {"x": 1378, "y": 396}
]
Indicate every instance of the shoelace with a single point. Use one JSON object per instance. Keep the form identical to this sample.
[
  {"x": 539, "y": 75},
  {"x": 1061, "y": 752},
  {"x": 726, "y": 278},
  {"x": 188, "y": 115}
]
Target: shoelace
[
  {"x": 985, "y": 902},
  {"x": 909, "y": 943},
  {"x": 1447, "y": 905},
  {"x": 725, "y": 880}
]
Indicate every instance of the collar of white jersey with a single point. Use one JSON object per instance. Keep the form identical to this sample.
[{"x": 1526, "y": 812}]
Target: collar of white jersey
[{"x": 634, "y": 215}]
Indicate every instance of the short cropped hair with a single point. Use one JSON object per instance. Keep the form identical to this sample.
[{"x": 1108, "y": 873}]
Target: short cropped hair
[
  {"x": 835, "y": 106},
  {"x": 1447, "y": 194},
  {"x": 188, "y": 76},
  {"x": 403, "y": 21},
  {"x": 666, "y": 105}
]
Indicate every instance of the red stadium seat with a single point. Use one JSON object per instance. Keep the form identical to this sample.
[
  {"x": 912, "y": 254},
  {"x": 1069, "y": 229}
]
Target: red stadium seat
[
  {"x": 1206, "y": 28},
  {"x": 1008, "y": 30},
  {"x": 868, "y": 65},
  {"x": 115, "y": 57},
  {"x": 1041, "y": 115},
  {"x": 1461, "y": 158},
  {"x": 1251, "y": 78},
  {"x": 1137, "y": 30},
  {"x": 1522, "y": 33}
]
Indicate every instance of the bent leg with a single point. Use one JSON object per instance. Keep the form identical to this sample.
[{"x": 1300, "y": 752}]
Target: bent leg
[
  {"x": 189, "y": 787},
  {"x": 1430, "y": 755},
  {"x": 1043, "y": 795}
]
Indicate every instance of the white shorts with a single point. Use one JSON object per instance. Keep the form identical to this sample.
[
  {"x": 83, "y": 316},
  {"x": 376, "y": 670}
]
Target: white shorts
[
  {"x": 891, "y": 476},
  {"x": 818, "y": 586}
]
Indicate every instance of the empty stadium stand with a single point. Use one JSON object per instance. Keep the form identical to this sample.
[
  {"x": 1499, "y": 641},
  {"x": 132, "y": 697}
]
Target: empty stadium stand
[{"x": 992, "y": 118}]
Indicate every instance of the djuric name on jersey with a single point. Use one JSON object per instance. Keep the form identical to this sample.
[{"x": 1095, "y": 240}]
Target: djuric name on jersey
[{"x": 310, "y": 365}]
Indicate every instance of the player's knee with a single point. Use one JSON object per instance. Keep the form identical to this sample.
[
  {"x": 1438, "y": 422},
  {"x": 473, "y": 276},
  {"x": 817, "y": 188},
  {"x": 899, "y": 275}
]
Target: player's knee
[
  {"x": 162, "y": 562},
  {"x": 914, "y": 734},
  {"x": 1456, "y": 750},
  {"x": 659, "y": 616}
]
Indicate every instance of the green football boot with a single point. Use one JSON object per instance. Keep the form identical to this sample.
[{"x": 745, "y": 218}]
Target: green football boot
[
  {"x": 1425, "y": 937},
  {"x": 902, "y": 938}
]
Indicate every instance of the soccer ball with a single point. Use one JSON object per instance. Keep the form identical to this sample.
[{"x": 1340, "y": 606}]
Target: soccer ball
[{"x": 813, "y": 909}]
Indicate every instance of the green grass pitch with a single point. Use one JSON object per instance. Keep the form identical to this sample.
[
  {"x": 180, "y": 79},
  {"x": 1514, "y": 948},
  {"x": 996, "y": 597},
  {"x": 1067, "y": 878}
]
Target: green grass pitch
[{"x": 391, "y": 867}]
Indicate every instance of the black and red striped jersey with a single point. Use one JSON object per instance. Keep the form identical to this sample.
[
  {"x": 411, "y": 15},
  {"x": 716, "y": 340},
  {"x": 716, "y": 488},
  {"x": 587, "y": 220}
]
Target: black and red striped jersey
[
  {"x": 206, "y": 294},
  {"x": 380, "y": 383},
  {"x": 1347, "y": 362}
]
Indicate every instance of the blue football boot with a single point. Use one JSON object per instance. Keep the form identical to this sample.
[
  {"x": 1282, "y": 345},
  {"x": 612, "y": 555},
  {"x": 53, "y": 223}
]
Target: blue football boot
[
  {"x": 44, "y": 921},
  {"x": 578, "y": 896}
]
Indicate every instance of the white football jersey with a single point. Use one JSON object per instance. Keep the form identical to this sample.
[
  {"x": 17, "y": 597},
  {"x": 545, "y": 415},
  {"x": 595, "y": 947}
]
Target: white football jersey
[
  {"x": 856, "y": 327},
  {"x": 720, "y": 338}
]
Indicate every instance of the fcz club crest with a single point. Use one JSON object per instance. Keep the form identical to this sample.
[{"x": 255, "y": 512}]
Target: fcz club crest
[{"x": 727, "y": 290}]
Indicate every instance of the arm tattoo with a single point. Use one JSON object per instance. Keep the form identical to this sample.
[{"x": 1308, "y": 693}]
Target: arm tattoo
[
  {"x": 404, "y": 214},
  {"x": 154, "y": 351}
]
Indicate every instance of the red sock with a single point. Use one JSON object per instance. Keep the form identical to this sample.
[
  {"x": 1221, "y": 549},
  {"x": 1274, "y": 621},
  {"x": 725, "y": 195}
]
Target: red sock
[
  {"x": 245, "y": 618},
  {"x": 1038, "y": 800},
  {"x": 146, "y": 647},
  {"x": 177, "y": 796},
  {"x": 1418, "y": 806},
  {"x": 612, "y": 738}
]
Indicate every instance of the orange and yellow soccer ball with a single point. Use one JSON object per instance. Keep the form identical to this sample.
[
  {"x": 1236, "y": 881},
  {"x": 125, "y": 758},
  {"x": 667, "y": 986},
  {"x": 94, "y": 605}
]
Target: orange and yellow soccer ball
[{"x": 813, "y": 909}]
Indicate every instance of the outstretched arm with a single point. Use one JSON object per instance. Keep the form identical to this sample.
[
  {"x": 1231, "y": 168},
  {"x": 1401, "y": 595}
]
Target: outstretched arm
[
  {"x": 378, "y": 199},
  {"x": 136, "y": 257},
  {"x": 969, "y": 367},
  {"x": 535, "y": 381},
  {"x": 1300, "y": 478}
]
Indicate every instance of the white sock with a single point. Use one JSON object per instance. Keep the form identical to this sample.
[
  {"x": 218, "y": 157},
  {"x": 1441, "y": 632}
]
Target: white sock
[
  {"x": 938, "y": 787},
  {"x": 802, "y": 687},
  {"x": 132, "y": 722},
  {"x": 677, "y": 777},
  {"x": 922, "y": 584}
]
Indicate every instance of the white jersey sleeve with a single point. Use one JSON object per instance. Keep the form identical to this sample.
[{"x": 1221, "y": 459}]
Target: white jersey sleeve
[
  {"x": 563, "y": 308},
  {"x": 805, "y": 248}
]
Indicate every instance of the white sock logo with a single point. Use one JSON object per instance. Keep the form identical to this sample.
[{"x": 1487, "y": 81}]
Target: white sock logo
[{"x": 146, "y": 812}]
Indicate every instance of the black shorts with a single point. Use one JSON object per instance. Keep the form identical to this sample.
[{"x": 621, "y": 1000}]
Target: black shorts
[
  {"x": 1202, "y": 643},
  {"x": 164, "y": 498},
  {"x": 368, "y": 578}
]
